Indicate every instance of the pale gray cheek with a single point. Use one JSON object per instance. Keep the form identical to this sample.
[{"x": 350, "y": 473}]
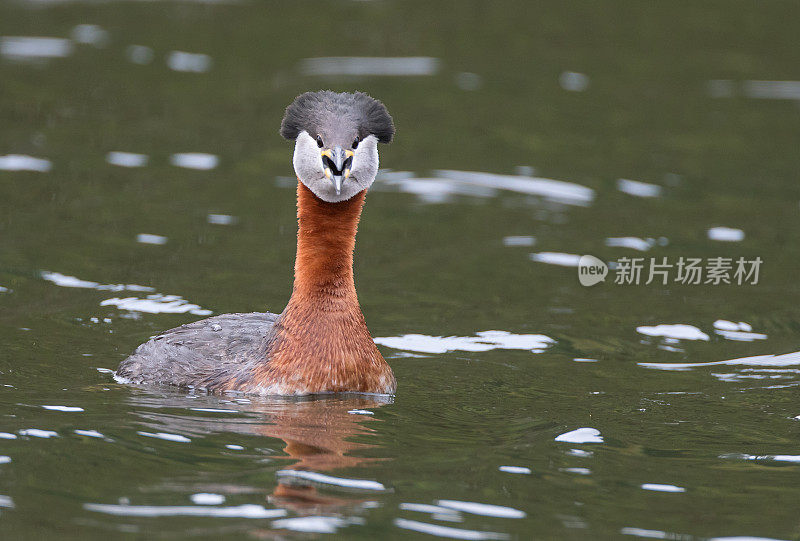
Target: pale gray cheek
[
  {"x": 363, "y": 179},
  {"x": 308, "y": 167},
  {"x": 366, "y": 167}
]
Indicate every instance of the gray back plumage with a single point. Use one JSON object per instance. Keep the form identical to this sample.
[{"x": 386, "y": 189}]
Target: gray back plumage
[
  {"x": 200, "y": 354},
  {"x": 338, "y": 117}
]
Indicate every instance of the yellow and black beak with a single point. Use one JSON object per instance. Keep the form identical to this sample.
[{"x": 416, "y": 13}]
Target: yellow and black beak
[{"x": 337, "y": 162}]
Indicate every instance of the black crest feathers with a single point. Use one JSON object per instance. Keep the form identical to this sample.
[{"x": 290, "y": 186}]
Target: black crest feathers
[{"x": 313, "y": 110}]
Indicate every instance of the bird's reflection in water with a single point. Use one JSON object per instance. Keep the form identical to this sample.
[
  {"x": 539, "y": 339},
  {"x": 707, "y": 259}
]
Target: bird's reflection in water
[{"x": 318, "y": 433}]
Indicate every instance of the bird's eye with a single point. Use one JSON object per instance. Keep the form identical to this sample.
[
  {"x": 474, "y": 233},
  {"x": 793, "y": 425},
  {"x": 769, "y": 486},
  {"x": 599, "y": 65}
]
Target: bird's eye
[
  {"x": 356, "y": 142},
  {"x": 320, "y": 144}
]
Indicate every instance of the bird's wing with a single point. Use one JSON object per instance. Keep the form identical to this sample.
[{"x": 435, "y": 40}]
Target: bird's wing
[{"x": 188, "y": 354}]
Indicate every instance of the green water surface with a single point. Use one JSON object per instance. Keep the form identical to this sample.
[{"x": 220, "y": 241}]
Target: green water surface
[{"x": 586, "y": 93}]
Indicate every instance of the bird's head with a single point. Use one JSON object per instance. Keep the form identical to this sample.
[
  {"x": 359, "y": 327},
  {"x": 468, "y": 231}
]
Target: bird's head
[{"x": 336, "y": 141}]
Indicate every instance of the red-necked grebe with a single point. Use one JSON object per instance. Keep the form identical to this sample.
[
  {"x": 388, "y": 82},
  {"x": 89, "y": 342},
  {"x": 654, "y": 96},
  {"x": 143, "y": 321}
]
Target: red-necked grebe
[{"x": 320, "y": 342}]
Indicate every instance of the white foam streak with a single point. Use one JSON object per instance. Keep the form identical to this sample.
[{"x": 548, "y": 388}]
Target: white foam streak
[
  {"x": 71, "y": 281},
  {"x": 662, "y": 488},
  {"x": 126, "y": 159},
  {"x": 515, "y": 469},
  {"x": 312, "y": 524},
  {"x": 484, "y": 341},
  {"x": 556, "y": 190},
  {"x": 153, "y": 304},
  {"x": 744, "y": 538},
  {"x": 166, "y": 436},
  {"x": 314, "y": 477},
  {"x": 634, "y": 243},
  {"x": 764, "y": 90},
  {"x": 725, "y": 325},
  {"x": 581, "y": 435},
  {"x": 188, "y": 62},
  {"x": 89, "y": 433},
  {"x": 579, "y": 471},
  {"x": 38, "y": 433},
  {"x": 741, "y": 336},
  {"x": 778, "y": 458},
  {"x": 788, "y": 359},
  {"x": 63, "y": 408},
  {"x": 207, "y": 498},
  {"x": 448, "y": 183},
  {"x": 482, "y": 509},
  {"x": 556, "y": 258},
  {"x": 446, "y": 531},
  {"x": 573, "y": 81},
  {"x": 34, "y": 48},
  {"x": 725, "y": 234},
  {"x": 22, "y": 162},
  {"x": 68, "y": 281},
  {"x": 652, "y": 534},
  {"x": 149, "y": 238},
  {"x": 519, "y": 240},
  {"x": 426, "y": 508},
  {"x": 90, "y": 34},
  {"x": 431, "y": 190},
  {"x": 772, "y": 90},
  {"x": 194, "y": 160},
  {"x": 157, "y": 304},
  {"x": 676, "y": 331},
  {"x": 785, "y": 458},
  {"x": 239, "y": 511},
  {"x": 638, "y": 189},
  {"x": 222, "y": 219},
  {"x": 337, "y": 66}
]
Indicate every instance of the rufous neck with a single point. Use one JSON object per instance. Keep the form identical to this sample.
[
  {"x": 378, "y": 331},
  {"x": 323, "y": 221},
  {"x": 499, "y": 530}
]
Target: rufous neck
[{"x": 326, "y": 237}]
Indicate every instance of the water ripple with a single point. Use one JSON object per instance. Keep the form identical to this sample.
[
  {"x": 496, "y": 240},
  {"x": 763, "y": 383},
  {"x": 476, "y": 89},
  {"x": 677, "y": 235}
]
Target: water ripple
[
  {"x": 483, "y": 509},
  {"x": 21, "y": 162},
  {"x": 239, "y": 511},
  {"x": 581, "y": 435},
  {"x": 484, "y": 341},
  {"x": 314, "y": 477},
  {"x": 447, "y": 531}
]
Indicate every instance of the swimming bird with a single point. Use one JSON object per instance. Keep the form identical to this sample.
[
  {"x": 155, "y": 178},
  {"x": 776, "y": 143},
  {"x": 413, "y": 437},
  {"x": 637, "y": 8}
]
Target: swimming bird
[{"x": 320, "y": 342}]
